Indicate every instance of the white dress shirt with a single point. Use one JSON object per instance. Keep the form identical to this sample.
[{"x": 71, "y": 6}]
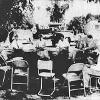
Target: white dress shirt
[
  {"x": 97, "y": 67},
  {"x": 63, "y": 43}
]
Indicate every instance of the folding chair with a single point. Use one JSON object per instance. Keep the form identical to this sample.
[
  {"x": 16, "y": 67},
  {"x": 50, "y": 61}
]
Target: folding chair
[
  {"x": 73, "y": 76},
  {"x": 20, "y": 68},
  {"x": 45, "y": 72},
  {"x": 97, "y": 83}
]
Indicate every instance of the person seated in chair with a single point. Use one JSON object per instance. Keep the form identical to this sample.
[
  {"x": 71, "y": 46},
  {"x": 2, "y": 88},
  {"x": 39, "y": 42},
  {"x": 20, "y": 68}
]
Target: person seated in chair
[
  {"x": 90, "y": 43},
  {"x": 92, "y": 68},
  {"x": 63, "y": 43}
]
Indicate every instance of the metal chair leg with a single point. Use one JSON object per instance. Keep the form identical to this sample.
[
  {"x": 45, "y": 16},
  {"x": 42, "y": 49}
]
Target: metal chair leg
[
  {"x": 40, "y": 87},
  {"x": 41, "y": 83},
  {"x": 69, "y": 89},
  {"x": 54, "y": 83},
  {"x": 53, "y": 86},
  {"x": 27, "y": 79},
  {"x": 12, "y": 78},
  {"x": 96, "y": 83},
  {"x": 84, "y": 90},
  {"x": 90, "y": 85},
  {"x": 3, "y": 78}
]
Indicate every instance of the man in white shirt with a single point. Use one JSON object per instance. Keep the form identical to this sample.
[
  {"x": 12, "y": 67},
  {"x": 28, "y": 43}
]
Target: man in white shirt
[
  {"x": 93, "y": 69},
  {"x": 63, "y": 43},
  {"x": 42, "y": 53}
]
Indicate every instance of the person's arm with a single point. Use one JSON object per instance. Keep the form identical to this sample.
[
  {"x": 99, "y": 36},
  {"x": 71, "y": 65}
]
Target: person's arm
[
  {"x": 89, "y": 48},
  {"x": 92, "y": 46},
  {"x": 14, "y": 44},
  {"x": 88, "y": 65}
]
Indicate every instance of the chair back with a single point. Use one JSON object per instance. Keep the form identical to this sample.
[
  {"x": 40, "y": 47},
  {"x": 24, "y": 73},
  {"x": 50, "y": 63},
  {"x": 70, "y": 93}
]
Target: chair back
[
  {"x": 45, "y": 65},
  {"x": 76, "y": 67},
  {"x": 20, "y": 63}
]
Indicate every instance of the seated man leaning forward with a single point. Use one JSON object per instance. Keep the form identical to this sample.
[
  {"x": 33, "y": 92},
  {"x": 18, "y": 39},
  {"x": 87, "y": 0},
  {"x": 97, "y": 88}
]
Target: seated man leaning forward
[{"x": 93, "y": 69}]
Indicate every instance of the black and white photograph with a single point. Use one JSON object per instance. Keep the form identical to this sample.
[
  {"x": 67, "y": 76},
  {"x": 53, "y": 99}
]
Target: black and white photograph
[{"x": 49, "y": 49}]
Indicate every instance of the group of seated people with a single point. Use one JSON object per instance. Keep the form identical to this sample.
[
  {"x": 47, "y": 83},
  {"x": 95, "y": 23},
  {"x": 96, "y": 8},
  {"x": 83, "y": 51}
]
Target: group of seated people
[
  {"x": 33, "y": 50},
  {"x": 92, "y": 63}
]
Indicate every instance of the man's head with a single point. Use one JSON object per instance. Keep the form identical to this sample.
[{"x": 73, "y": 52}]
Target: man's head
[
  {"x": 62, "y": 38},
  {"x": 89, "y": 38}
]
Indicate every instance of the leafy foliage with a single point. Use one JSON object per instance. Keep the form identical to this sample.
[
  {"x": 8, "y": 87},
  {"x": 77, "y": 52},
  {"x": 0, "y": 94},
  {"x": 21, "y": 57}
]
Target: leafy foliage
[{"x": 77, "y": 24}]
